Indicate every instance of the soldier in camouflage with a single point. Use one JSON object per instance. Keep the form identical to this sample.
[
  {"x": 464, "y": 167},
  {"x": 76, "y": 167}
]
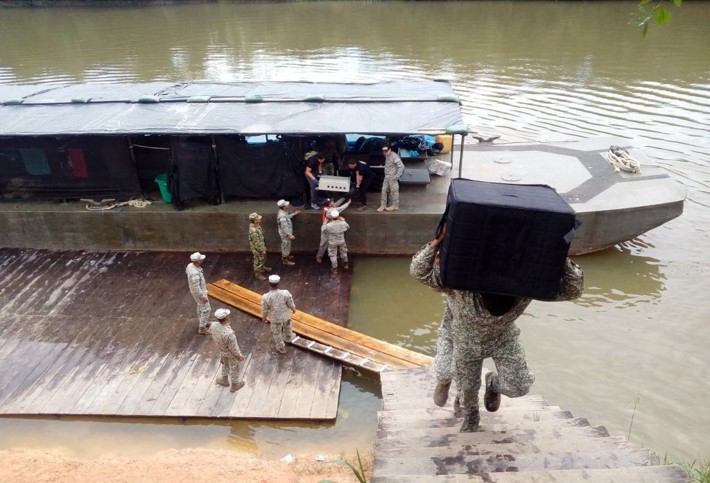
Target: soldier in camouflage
[
  {"x": 334, "y": 230},
  {"x": 283, "y": 220},
  {"x": 484, "y": 326},
  {"x": 390, "y": 186},
  {"x": 328, "y": 204},
  {"x": 230, "y": 355},
  {"x": 258, "y": 246},
  {"x": 276, "y": 308},
  {"x": 198, "y": 289}
]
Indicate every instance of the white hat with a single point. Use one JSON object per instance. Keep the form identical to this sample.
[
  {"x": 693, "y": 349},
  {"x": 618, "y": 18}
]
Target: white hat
[
  {"x": 333, "y": 214},
  {"x": 274, "y": 279},
  {"x": 221, "y": 313},
  {"x": 197, "y": 256},
  {"x": 282, "y": 203}
]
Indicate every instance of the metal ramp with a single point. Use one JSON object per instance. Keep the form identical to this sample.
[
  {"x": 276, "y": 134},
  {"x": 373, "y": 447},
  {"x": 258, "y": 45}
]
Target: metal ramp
[{"x": 326, "y": 338}]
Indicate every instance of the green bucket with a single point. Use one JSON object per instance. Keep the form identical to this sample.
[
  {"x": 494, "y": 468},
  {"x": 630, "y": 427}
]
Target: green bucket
[{"x": 162, "y": 181}]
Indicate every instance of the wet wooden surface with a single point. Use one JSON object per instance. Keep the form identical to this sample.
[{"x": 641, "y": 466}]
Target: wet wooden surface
[{"x": 114, "y": 333}]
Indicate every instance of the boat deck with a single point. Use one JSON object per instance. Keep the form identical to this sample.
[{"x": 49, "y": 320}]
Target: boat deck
[
  {"x": 613, "y": 207},
  {"x": 114, "y": 334}
]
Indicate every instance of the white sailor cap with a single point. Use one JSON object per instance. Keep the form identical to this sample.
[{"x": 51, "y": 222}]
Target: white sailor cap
[
  {"x": 221, "y": 313},
  {"x": 274, "y": 279},
  {"x": 333, "y": 214},
  {"x": 197, "y": 256},
  {"x": 282, "y": 203}
]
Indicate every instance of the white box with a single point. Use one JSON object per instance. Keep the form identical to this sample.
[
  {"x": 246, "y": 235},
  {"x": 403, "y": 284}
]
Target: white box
[{"x": 334, "y": 183}]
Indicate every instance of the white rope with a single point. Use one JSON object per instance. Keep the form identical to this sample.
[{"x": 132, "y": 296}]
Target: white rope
[
  {"x": 92, "y": 205},
  {"x": 622, "y": 160}
]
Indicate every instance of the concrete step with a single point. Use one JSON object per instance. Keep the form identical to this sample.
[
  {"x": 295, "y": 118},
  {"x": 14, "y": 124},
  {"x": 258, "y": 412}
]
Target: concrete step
[
  {"x": 640, "y": 474},
  {"x": 442, "y": 418},
  {"x": 508, "y": 462},
  {"x": 555, "y": 445}
]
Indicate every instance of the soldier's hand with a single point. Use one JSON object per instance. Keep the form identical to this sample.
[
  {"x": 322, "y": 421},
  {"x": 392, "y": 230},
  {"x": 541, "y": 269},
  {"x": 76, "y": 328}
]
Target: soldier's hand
[
  {"x": 242, "y": 358},
  {"x": 291, "y": 237},
  {"x": 297, "y": 212},
  {"x": 204, "y": 299}
]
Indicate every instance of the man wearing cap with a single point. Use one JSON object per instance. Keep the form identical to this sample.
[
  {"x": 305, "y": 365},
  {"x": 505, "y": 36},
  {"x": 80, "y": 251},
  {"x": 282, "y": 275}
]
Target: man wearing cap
[
  {"x": 314, "y": 170},
  {"x": 361, "y": 176},
  {"x": 328, "y": 204},
  {"x": 258, "y": 246},
  {"x": 390, "y": 186},
  {"x": 283, "y": 220},
  {"x": 276, "y": 308},
  {"x": 230, "y": 356},
  {"x": 198, "y": 289},
  {"x": 334, "y": 231}
]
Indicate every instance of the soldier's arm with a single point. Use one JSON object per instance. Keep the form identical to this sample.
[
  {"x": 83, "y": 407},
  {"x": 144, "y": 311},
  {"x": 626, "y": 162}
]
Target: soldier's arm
[
  {"x": 400, "y": 165},
  {"x": 264, "y": 309},
  {"x": 290, "y": 303},
  {"x": 233, "y": 346},
  {"x": 422, "y": 267}
]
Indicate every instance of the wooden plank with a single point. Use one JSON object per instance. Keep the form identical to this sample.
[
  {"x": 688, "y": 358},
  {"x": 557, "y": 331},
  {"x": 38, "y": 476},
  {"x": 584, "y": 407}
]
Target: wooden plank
[{"x": 333, "y": 335}]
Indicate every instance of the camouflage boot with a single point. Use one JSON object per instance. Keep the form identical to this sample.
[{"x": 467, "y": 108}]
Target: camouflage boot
[
  {"x": 491, "y": 399},
  {"x": 471, "y": 419},
  {"x": 441, "y": 393},
  {"x": 222, "y": 381},
  {"x": 236, "y": 386}
]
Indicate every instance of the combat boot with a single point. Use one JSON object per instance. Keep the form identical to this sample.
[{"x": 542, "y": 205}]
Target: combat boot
[
  {"x": 281, "y": 350},
  {"x": 441, "y": 393},
  {"x": 491, "y": 399},
  {"x": 334, "y": 271},
  {"x": 286, "y": 261},
  {"x": 346, "y": 266},
  {"x": 471, "y": 419},
  {"x": 319, "y": 260},
  {"x": 222, "y": 381},
  {"x": 236, "y": 386},
  {"x": 259, "y": 276}
]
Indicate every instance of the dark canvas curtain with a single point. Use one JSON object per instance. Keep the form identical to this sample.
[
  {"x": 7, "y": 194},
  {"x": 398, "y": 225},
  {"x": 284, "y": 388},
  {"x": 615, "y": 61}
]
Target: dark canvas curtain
[
  {"x": 193, "y": 170},
  {"x": 263, "y": 170},
  {"x": 46, "y": 167}
]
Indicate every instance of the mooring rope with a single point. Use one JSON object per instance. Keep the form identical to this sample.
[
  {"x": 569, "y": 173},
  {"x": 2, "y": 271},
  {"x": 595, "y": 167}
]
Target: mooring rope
[
  {"x": 104, "y": 205},
  {"x": 622, "y": 160}
]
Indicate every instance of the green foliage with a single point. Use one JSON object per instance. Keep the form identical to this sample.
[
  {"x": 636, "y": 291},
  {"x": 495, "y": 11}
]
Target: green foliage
[
  {"x": 698, "y": 472},
  {"x": 359, "y": 472},
  {"x": 654, "y": 11}
]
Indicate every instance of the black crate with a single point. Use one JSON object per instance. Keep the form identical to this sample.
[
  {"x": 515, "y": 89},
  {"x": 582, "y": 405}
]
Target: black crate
[{"x": 506, "y": 238}]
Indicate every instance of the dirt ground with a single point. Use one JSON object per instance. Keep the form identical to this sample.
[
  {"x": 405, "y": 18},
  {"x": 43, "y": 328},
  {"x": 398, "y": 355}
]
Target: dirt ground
[{"x": 191, "y": 465}]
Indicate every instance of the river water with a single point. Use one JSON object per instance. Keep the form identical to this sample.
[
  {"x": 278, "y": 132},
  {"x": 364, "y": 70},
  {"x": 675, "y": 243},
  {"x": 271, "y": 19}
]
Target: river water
[{"x": 631, "y": 354}]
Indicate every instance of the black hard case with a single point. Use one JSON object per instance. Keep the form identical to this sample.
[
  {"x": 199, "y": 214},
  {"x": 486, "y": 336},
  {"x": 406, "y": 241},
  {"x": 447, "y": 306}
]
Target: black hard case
[{"x": 507, "y": 239}]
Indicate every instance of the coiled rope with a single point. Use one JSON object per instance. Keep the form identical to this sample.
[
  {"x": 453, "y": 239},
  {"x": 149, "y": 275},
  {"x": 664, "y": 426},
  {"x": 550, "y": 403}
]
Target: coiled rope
[
  {"x": 104, "y": 205},
  {"x": 622, "y": 160}
]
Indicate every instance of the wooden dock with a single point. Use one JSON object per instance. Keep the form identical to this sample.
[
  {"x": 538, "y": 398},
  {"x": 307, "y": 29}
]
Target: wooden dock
[
  {"x": 527, "y": 440},
  {"x": 326, "y": 338},
  {"x": 114, "y": 334}
]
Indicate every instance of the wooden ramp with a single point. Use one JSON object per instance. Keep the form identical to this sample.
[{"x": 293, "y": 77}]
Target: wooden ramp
[
  {"x": 114, "y": 334},
  {"x": 325, "y": 338},
  {"x": 527, "y": 440}
]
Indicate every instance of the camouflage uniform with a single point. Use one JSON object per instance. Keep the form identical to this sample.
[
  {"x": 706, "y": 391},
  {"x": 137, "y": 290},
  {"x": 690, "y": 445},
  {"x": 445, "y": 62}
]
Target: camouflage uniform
[
  {"x": 335, "y": 233},
  {"x": 323, "y": 237},
  {"x": 283, "y": 220},
  {"x": 277, "y": 305},
  {"x": 258, "y": 247},
  {"x": 390, "y": 186},
  {"x": 444, "y": 360},
  {"x": 198, "y": 289},
  {"x": 229, "y": 353},
  {"x": 477, "y": 334}
]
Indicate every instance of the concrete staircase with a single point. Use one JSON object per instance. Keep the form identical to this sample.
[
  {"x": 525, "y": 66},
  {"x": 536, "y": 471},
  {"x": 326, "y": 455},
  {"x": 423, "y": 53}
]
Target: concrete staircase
[{"x": 527, "y": 440}]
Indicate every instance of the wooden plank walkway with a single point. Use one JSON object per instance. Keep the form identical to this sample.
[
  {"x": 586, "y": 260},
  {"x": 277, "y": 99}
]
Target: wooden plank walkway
[
  {"x": 527, "y": 440},
  {"x": 114, "y": 334},
  {"x": 322, "y": 337}
]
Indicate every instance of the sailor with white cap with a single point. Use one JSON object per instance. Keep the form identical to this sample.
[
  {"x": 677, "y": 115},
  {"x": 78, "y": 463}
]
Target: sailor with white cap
[
  {"x": 283, "y": 221},
  {"x": 276, "y": 308},
  {"x": 198, "y": 289},
  {"x": 335, "y": 230},
  {"x": 230, "y": 354}
]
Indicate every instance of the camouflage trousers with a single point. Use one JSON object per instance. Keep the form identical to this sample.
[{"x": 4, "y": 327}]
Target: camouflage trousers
[
  {"x": 285, "y": 247},
  {"x": 323, "y": 247},
  {"x": 259, "y": 260},
  {"x": 444, "y": 359},
  {"x": 333, "y": 254},
  {"x": 230, "y": 368},
  {"x": 280, "y": 332},
  {"x": 203, "y": 313},
  {"x": 513, "y": 378},
  {"x": 390, "y": 187}
]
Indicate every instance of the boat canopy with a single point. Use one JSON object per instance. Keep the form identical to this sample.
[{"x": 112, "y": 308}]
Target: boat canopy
[{"x": 244, "y": 108}]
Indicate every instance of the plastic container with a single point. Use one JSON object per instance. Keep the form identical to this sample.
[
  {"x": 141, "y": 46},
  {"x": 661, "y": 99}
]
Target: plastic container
[
  {"x": 162, "y": 182},
  {"x": 447, "y": 141}
]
